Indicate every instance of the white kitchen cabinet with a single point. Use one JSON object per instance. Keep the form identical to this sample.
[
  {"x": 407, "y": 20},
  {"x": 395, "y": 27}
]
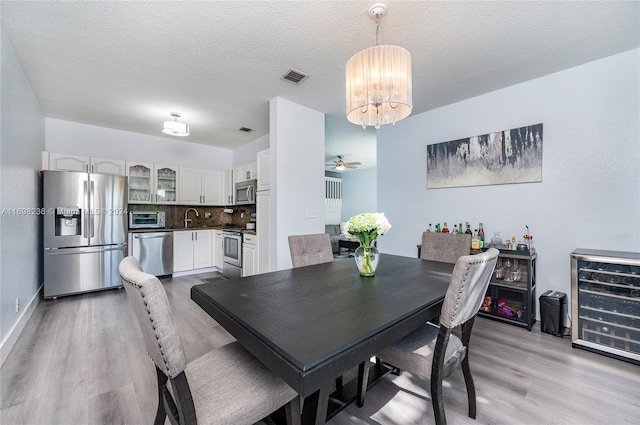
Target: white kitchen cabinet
[
  {"x": 192, "y": 249},
  {"x": 262, "y": 174},
  {"x": 84, "y": 164},
  {"x": 141, "y": 182},
  {"x": 253, "y": 171},
  {"x": 245, "y": 172},
  {"x": 107, "y": 166},
  {"x": 64, "y": 162},
  {"x": 201, "y": 187},
  {"x": 218, "y": 250},
  {"x": 152, "y": 183},
  {"x": 212, "y": 187},
  {"x": 249, "y": 255},
  {"x": 263, "y": 217},
  {"x": 227, "y": 187}
]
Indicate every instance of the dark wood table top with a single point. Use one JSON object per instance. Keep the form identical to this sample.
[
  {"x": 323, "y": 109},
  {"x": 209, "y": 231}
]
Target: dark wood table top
[{"x": 311, "y": 324}]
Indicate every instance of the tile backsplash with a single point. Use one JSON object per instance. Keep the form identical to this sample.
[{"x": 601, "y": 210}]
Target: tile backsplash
[{"x": 218, "y": 218}]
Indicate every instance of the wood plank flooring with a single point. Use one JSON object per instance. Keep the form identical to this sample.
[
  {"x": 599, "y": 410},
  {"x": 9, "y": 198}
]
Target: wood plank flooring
[{"x": 81, "y": 360}]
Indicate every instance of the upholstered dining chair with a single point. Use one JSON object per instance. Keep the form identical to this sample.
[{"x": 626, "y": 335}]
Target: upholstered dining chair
[
  {"x": 307, "y": 250},
  {"x": 445, "y": 247},
  {"x": 225, "y": 386},
  {"x": 433, "y": 352}
]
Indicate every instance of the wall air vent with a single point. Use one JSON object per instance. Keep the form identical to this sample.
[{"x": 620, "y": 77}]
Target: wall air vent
[
  {"x": 295, "y": 77},
  {"x": 246, "y": 129}
]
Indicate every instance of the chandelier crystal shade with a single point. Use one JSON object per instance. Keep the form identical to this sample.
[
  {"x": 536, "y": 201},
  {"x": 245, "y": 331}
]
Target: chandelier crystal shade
[
  {"x": 378, "y": 82},
  {"x": 175, "y": 128}
]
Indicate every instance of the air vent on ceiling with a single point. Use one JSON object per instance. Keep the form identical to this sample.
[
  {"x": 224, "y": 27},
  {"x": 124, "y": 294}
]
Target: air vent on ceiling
[
  {"x": 295, "y": 77},
  {"x": 246, "y": 129}
]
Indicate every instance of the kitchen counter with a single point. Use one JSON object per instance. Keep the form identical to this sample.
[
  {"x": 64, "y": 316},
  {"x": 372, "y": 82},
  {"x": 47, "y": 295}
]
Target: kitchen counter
[{"x": 177, "y": 229}]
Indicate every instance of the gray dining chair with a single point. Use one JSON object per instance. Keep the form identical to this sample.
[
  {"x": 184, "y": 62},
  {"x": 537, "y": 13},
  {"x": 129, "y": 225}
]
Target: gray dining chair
[
  {"x": 445, "y": 247},
  {"x": 433, "y": 352},
  {"x": 307, "y": 250},
  {"x": 225, "y": 386}
]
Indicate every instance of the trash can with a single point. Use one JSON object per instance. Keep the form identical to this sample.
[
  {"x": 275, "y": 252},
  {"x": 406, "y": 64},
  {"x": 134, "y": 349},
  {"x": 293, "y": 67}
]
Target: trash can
[{"x": 553, "y": 310}]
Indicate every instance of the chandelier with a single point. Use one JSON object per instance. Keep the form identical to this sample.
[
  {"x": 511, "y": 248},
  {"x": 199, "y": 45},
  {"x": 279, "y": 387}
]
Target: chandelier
[
  {"x": 378, "y": 81},
  {"x": 175, "y": 128}
]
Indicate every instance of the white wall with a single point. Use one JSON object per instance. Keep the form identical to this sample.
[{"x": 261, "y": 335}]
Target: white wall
[
  {"x": 589, "y": 196},
  {"x": 297, "y": 175},
  {"x": 359, "y": 192},
  {"x": 90, "y": 140},
  {"x": 21, "y": 142},
  {"x": 246, "y": 154}
]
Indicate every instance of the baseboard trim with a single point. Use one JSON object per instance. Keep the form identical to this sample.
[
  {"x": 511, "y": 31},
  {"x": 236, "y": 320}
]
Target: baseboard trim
[
  {"x": 18, "y": 327},
  {"x": 196, "y": 271}
]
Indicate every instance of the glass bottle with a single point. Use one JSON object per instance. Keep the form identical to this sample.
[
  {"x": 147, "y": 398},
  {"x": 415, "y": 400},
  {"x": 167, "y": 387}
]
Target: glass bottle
[
  {"x": 481, "y": 233},
  {"x": 438, "y": 228},
  {"x": 513, "y": 242},
  {"x": 429, "y": 229},
  {"x": 475, "y": 241},
  {"x": 445, "y": 228},
  {"x": 455, "y": 229},
  {"x": 468, "y": 231}
]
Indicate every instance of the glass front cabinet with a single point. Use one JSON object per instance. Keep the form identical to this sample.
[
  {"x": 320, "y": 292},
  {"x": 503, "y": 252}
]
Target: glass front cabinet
[
  {"x": 152, "y": 183},
  {"x": 512, "y": 289},
  {"x": 605, "y": 302}
]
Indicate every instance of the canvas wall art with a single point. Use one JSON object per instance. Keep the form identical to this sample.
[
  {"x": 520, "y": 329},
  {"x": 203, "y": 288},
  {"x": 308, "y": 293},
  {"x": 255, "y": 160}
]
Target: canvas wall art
[{"x": 502, "y": 157}]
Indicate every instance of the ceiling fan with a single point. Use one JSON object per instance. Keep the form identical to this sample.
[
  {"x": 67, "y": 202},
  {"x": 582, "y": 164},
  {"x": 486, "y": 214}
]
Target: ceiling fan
[{"x": 340, "y": 165}]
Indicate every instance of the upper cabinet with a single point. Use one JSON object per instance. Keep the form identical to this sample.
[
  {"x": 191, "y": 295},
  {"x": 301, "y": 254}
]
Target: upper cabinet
[
  {"x": 227, "y": 188},
  {"x": 263, "y": 170},
  {"x": 245, "y": 172},
  {"x": 152, "y": 183},
  {"x": 201, "y": 187},
  {"x": 84, "y": 164}
]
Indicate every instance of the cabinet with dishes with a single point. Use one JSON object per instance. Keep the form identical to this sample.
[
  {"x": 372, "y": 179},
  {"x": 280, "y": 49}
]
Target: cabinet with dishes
[
  {"x": 512, "y": 289},
  {"x": 605, "y": 302},
  {"x": 152, "y": 183}
]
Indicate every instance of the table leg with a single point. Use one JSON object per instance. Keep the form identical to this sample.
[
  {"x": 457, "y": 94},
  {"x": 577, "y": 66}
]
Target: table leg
[{"x": 314, "y": 411}]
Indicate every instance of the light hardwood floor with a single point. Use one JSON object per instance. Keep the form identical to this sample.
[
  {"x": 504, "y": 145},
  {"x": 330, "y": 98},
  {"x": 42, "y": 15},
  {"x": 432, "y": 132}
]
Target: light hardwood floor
[{"x": 81, "y": 360}]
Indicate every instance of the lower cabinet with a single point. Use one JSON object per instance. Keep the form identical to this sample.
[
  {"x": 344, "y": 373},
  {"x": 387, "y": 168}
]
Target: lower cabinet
[
  {"x": 249, "y": 255},
  {"x": 192, "y": 249},
  {"x": 511, "y": 296},
  {"x": 218, "y": 250}
]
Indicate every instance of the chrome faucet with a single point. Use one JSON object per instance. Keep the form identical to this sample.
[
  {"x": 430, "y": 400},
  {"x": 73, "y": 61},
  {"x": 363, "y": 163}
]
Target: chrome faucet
[{"x": 188, "y": 220}]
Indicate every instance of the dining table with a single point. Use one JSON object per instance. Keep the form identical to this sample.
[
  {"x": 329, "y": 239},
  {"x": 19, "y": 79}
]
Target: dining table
[{"x": 310, "y": 325}]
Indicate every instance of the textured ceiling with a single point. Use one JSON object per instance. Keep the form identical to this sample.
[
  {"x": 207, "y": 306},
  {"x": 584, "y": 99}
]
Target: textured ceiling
[{"x": 128, "y": 65}]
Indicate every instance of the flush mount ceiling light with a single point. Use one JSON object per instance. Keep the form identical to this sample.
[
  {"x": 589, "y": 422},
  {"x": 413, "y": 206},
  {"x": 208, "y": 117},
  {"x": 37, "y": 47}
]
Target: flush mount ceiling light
[
  {"x": 378, "y": 81},
  {"x": 175, "y": 128}
]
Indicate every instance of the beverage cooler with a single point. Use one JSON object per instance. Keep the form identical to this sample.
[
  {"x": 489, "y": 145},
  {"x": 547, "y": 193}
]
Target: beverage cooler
[{"x": 605, "y": 302}]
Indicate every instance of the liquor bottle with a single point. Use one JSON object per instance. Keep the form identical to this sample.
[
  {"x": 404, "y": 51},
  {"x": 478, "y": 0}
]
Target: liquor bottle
[
  {"x": 481, "y": 232},
  {"x": 468, "y": 231},
  {"x": 429, "y": 229},
  {"x": 475, "y": 242},
  {"x": 445, "y": 228},
  {"x": 513, "y": 242},
  {"x": 438, "y": 228},
  {"x": 460, "y": 229},
  {"x": 455, "y": 229}
]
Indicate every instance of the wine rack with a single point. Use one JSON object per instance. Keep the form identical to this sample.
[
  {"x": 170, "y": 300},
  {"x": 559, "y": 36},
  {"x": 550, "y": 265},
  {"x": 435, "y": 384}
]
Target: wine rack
[{"x": 605, "y": 302}]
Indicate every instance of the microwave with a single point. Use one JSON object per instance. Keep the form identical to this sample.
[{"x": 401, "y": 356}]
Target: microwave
[
  {"x": 146, "y": 219},
  {"x": 246, "y": 192}
]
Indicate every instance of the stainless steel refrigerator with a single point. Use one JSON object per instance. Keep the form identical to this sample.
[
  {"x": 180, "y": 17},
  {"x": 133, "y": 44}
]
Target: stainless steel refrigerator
[{"x": 84, "y": 231}]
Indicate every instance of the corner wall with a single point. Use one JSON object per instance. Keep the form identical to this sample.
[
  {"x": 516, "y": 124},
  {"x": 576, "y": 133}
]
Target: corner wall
[
  {"x": 296, "y": 174},
  {"x": 589, "y": 196},
  {"x": 21, "y": 144}
]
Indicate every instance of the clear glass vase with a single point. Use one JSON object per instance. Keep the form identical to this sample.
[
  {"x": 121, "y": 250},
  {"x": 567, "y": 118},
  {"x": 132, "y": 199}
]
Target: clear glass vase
[{"x": 367, "y": 257}]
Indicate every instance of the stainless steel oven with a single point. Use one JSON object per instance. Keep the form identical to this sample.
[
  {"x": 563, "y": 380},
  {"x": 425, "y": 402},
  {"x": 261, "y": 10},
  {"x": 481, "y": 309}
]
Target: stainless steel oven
[{"x": 232, "y": 256}]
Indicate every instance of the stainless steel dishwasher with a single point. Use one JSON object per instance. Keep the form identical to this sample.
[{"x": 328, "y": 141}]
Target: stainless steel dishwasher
[{"x": 154, "y": 250}]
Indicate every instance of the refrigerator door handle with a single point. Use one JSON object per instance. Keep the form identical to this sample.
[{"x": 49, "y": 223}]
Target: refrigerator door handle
[
  {"x": 85, "y": 213},
  {"x": 91, "y": 213}
]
